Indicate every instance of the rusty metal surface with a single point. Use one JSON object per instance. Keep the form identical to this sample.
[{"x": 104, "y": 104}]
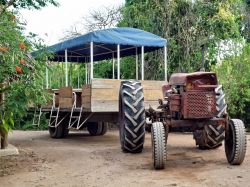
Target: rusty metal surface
[
  {"x": 196, "y": 124},
  {"x": 175, "y": 103},
  {"x": 199, "y": 105},
  {"x": 181, "y": 78},
  {"x": 178, "y": 79}
]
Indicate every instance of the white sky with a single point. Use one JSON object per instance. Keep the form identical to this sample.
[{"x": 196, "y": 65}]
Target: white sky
[{"x": 51, "y": 22}]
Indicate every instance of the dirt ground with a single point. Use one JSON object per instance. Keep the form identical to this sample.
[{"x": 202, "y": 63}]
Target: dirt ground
[{"x": 82, "y": 160}]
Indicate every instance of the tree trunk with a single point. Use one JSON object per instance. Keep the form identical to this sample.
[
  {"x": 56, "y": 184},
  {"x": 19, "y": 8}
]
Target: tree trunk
[
  {"x": 4, "y": 139},
  {"x": 3, "y": 134}
]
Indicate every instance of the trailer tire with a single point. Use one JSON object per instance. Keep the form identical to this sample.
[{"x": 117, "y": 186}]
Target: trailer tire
[
  {"x": 131, "y": 116},
  {"x": 159, "y": 150},
  {"x": 104, "y": 128},
  {"x": 65, "y": 130},
  {"x": 56, "y": 132},
  {"x": 235, "y": 142},
  {"x": 96, "y": 128}
]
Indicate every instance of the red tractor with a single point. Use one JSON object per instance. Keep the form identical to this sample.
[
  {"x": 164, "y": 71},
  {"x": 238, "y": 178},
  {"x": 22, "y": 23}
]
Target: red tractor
[{"x": 193, "y": 100}]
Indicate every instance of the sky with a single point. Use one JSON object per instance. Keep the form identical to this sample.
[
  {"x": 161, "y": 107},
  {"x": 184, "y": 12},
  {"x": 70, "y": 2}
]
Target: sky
[{"x": 50, "y": 23}]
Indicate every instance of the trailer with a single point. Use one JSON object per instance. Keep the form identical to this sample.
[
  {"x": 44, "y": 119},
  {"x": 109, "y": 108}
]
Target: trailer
[{"x": 97, "y": 102}]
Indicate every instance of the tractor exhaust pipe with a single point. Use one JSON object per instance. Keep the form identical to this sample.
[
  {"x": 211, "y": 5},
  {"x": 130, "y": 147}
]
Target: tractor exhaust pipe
[{"x": 203, "y": 58}]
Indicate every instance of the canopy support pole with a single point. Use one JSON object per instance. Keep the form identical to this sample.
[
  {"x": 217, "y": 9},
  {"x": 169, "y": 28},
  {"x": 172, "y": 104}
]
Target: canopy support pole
[
  {"x": 142, "y": 62},
  {"x": 78, "y": 79},
  {"x": 136, "y": 63},
  {"x": 70, "y": 74},
  {"x": 47, "y": 76},
  {"x": 165, "y": 64},
  {"x": 118, "y": 62},
  {"x": 113, "y": 66},
  {"x": 86, "y": 73},
  {"x": 91, "y": 61},
  {"x": 66, "y": 67}
]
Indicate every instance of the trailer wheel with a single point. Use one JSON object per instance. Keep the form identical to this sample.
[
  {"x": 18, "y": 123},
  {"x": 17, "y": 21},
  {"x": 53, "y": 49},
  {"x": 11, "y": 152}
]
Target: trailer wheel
[
  {"x": 96, "y": 128},
  {"x": 65, "y": 129},
  {"x": 56, "y": 132},
  {"x": 131, "y": 116},
  {"x": 235, "y": 142},
  {"x": 104, "y": 128},
  {"x": 159, "y": 150}
]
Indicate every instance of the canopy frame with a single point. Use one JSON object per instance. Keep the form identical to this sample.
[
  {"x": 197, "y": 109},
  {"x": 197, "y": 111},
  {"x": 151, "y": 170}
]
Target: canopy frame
[{"x": 108, "y": 44}]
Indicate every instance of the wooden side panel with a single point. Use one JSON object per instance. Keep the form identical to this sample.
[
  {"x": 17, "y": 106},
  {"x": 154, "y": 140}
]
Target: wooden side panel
[
  {"x": 152, "y": 92},
  {"x": 65, "y": 97},
  {"x": 105, "y": 95},
  {"x": 86, "y": 98}
]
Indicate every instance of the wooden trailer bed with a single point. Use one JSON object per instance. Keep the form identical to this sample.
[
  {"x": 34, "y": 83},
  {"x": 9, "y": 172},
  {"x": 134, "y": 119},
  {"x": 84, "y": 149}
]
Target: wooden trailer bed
[{"x": 103, "y": 95}]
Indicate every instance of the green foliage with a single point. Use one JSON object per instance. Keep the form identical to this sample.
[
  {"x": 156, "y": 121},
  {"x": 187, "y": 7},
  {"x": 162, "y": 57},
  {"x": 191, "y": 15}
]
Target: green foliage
[
  {"x": 58, "y": 70},
  {"x": 28, "y": 4},
  {"x": 7, "y": 121},
  {"x": 26, "y": 122},
  {"x": 21, "y": 80},
  {"x": 233, "y": 74},
  {"x": 186, "y": 25}
]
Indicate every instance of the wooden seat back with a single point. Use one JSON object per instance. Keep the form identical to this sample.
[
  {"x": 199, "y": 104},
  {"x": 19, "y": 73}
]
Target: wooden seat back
[{"x": 65, "y": 97}]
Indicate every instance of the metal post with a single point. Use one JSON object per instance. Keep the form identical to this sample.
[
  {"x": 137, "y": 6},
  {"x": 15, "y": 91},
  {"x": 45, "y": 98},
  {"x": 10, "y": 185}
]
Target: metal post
[
  {"x": 70, "y": 75},
  {"x": 86, "y": 73},
  {"x": 142, "y": 63},
  {"x": 113, "y": 66},
  {"x": 91, "y": 60},
  {"x": 118, "y": 62},
  {"x": 78, "y": 79},
  {"x": 66, "y": 67},
  {"x": 47, "y": 76},
  {"x": 165, "y": 63},
  {"x": 203, "y": 58},
  {"x": 89, "y": 66},
  {"x": 136, "y": 63}
]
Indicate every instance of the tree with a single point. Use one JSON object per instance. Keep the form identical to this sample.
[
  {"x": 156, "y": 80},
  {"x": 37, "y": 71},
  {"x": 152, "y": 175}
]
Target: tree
[
  {"x": 104, "y": 18},
  {"x": 21, "y": 76},
  {"x": 187, "y": 25},
  {"x": 233, "y": 74},
  {"x": 17, "y": 4},
  {"x": 107, "y": 17}
]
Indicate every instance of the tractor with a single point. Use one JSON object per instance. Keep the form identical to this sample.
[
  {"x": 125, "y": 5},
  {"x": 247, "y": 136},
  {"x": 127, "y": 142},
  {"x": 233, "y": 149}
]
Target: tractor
[{"x": 192, "y": 100}]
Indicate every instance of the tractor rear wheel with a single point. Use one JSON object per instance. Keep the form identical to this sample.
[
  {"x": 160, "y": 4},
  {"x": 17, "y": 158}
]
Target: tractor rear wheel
[
  {"x": 131, "y": 116},
  {"x": 210, "y": 137},
  {"x": 159, "y": 150},
  {"x": 235, "y": 142},
  {"x": 97, "y": 128},
  {"x": 221, "y": 105},
  {"x": 213, "y": 135}
]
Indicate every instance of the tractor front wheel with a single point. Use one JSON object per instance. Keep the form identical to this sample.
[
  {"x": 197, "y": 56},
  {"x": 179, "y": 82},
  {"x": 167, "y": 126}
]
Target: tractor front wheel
[
  {"x": 235, "y": 142},
  {"x": 159, "y": 150}
]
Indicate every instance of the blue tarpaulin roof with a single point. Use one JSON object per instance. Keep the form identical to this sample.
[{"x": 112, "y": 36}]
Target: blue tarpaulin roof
[{"x": 105, "y": 44}]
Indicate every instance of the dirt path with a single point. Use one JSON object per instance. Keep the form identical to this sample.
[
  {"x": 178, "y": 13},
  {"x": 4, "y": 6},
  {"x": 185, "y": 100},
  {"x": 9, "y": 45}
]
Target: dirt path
[{"x": 81, "y": 160}]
